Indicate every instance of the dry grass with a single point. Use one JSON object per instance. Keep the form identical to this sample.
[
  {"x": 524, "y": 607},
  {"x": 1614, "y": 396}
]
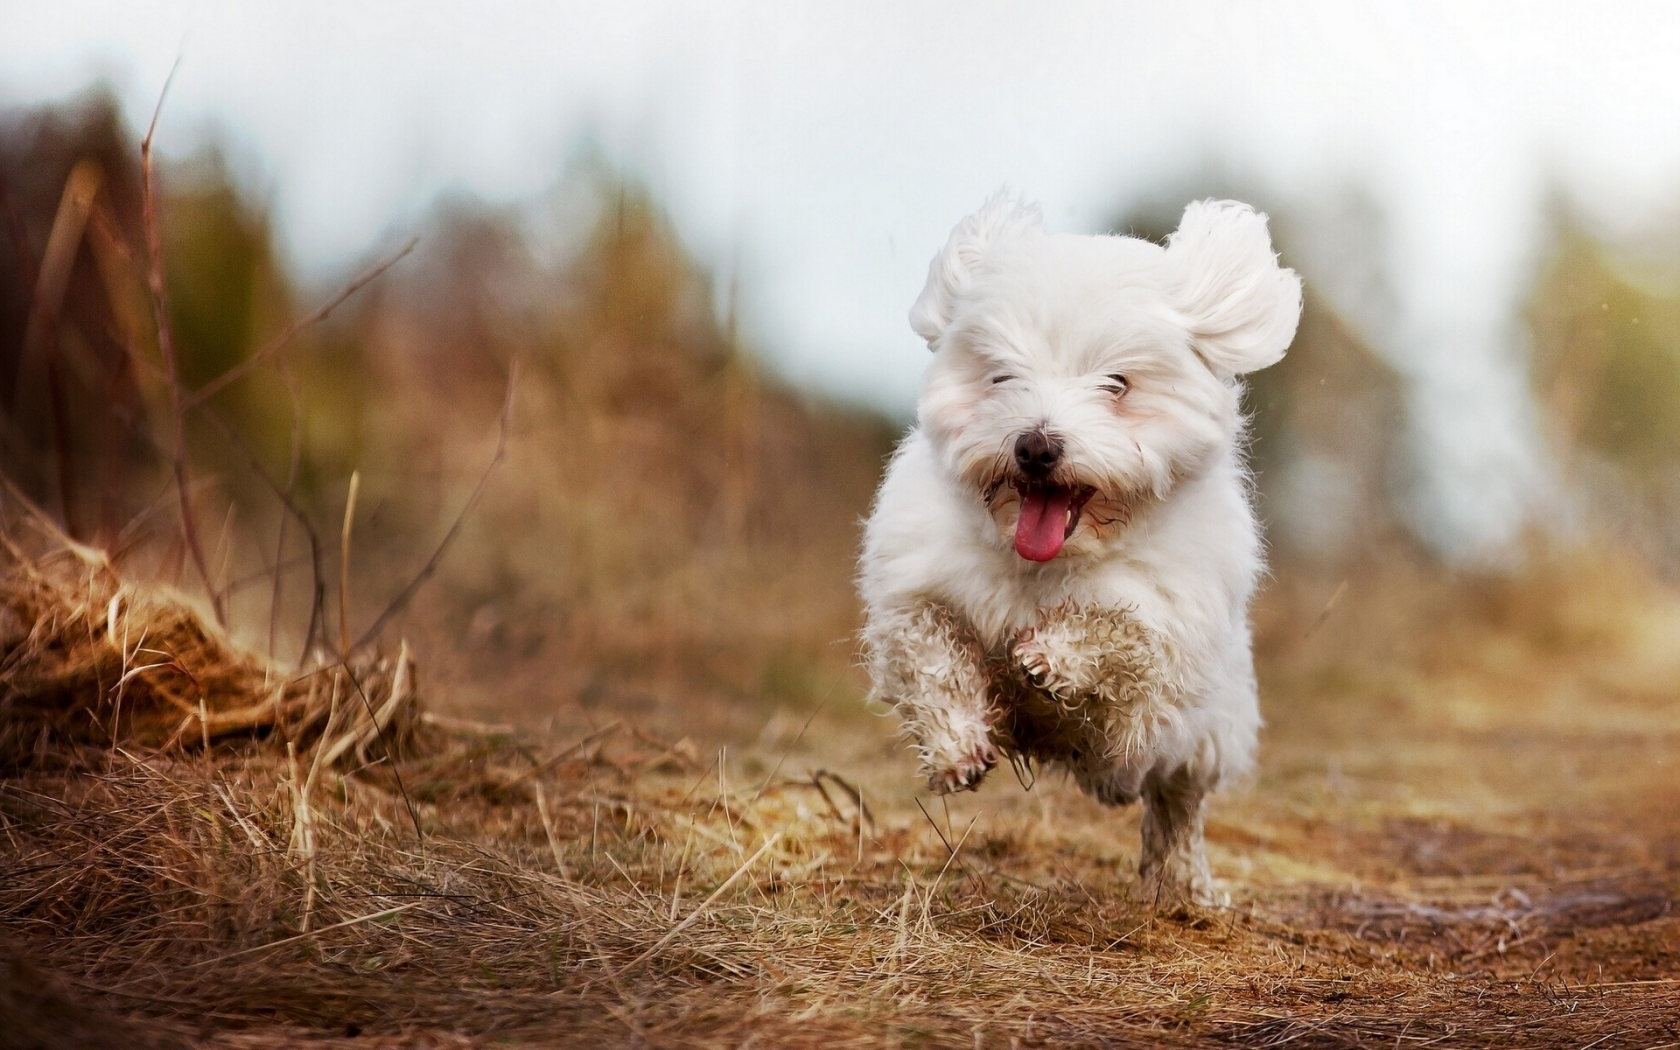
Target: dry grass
[
  {"x": 92, "y": 662},
  {"x": 1397, "y": 882}
]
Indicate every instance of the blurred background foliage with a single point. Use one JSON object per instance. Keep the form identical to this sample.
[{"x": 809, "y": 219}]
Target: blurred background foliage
[
  {"x": 1606, "y": 337},
  {"x": 668, "y": 512},
  {"x": 666, "y": 508}
]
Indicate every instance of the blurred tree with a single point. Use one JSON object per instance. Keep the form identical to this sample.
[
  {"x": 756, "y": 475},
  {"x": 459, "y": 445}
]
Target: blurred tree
[
  {"x": 227, "y": 293},
  {"x": 1607, "y": 378}
]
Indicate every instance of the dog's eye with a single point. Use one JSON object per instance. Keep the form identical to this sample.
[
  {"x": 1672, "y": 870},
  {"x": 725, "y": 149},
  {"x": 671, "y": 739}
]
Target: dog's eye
[
  {"x": 1001, "y": 379},
  {"x": 1116, "y": 382}
]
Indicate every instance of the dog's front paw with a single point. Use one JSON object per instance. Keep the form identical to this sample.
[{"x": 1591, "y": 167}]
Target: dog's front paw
[
  {"x": 1039, "y": 657},
  {"x": 962, "y": 770}
]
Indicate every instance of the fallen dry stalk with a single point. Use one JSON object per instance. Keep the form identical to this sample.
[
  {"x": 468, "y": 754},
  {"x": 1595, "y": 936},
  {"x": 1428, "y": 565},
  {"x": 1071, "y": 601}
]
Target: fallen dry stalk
[
  {"x": 307, "y": 934},
  {"x": 694, "y": 915}
]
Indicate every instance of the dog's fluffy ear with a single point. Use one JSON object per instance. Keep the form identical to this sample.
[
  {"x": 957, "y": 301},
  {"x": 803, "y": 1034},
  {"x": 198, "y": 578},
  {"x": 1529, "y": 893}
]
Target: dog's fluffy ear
[
  {"x": 954, "y": 268},
  {"x": 1240, "y": 306}
]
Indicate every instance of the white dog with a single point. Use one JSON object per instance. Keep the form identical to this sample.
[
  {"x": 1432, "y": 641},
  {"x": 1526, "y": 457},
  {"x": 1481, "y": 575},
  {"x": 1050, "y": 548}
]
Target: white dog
[{"x": 1060, "y": 559}]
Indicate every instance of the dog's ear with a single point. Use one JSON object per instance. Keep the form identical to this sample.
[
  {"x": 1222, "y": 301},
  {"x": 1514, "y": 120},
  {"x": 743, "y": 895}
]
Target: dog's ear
[
  {"x": 1240, "y": 306},
  {"x": 954, "y": 268}
]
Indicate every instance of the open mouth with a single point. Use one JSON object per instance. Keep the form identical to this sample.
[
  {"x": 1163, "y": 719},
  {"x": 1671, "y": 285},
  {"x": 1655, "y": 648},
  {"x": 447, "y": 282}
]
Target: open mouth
[{"x": 1049, "y": 514}]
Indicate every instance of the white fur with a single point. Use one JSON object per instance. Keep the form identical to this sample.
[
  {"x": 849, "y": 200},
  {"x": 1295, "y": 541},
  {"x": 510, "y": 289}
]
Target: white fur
[{"x": 1168, "y": 540}]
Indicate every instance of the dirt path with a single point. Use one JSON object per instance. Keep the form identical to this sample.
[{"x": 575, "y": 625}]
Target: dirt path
[{"x": 1468, "y": 837}]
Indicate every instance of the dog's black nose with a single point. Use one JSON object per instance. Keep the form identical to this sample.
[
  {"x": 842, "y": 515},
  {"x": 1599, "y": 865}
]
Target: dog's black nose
[{"x": 1037, "y": 453}]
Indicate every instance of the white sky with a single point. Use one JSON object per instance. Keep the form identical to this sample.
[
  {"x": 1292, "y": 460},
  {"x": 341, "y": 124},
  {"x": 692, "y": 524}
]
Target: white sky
[{"x": 822, "y": 151}]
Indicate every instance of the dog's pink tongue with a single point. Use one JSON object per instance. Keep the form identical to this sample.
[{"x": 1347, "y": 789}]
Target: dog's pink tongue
[{"x": 1042, "y": 528}]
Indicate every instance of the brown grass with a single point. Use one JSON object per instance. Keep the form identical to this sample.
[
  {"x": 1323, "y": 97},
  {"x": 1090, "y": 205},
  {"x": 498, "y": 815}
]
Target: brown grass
[
  {"x": 1397, "y": 881},
  {"x": 91, "y": 662}
]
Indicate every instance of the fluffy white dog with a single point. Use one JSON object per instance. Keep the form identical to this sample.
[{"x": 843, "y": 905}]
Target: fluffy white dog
[{"x": 1060, "y": 560}]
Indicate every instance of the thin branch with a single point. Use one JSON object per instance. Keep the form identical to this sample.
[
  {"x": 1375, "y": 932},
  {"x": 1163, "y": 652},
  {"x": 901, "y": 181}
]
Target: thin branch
[
  {"x": 166, "y": 346},
  {"x": 852, "y": 791},
  {"x": 932, "y": 824},
  {"x": 400, "y": 602},
  {"x": 777, "y": 768},
  {"x": 389, "y": 751},
  {"x": 284, "y": 339},
  {"x": 344, "y": 565},
  {"x": 286, "y": 496},
  {"x": 317, "y": 604},
  {"x": 1329, "y": 607},
  {"x": 555, "y": 759},
  {"x": 956, "y": 849},
  {"x": 167, "y": 81},
  {"x": 250, "y": 579},
  {"x": 90, "y": 555},
  {"x": 291, "y": 485}
]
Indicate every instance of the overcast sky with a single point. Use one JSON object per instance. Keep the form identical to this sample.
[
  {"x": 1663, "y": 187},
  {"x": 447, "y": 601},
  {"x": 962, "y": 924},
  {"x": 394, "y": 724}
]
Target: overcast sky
[{"x": 821, "y": 152}]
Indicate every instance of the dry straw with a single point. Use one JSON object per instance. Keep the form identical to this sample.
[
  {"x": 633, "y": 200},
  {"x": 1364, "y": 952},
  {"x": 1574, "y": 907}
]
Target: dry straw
[{"x": 269, "y": 883}]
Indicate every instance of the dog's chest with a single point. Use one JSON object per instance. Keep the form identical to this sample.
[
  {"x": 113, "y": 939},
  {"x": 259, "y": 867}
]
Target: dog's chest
[{"x": 997, "y": 601}]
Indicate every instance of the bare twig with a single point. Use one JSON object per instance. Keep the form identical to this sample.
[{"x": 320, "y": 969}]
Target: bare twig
[
  {"x": 344, "y": 564},
  {"x": 935, "y": 826},
  {"x": 401, "y": 689},
  {"x": 317, "y": 605},
  {"x": 1329, "y": 607},
  {"x": 853, "y": 791},
  {"x": 956, "y": 849},
  {"x": 386, "y": 744},
  {"x": 291, "y": 485},
  {"x": 795, "y": 742},
  {"x": 560, "y": 756},
  {"x": 166, "y": 347},
  {"x": 89, "y": 555},
  {"x": 400, "y": 602},
  {"x": 284, "y": 339}
]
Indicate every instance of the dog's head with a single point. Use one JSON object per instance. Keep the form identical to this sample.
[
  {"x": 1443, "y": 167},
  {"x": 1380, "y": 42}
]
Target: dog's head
[{"x": 1075, "y": 378}]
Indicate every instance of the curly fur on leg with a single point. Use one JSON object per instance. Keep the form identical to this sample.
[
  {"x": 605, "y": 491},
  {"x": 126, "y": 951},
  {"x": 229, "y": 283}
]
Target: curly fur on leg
[
  {"x": 927, "y": 663},
  {"x": 1107, "y": 667}
]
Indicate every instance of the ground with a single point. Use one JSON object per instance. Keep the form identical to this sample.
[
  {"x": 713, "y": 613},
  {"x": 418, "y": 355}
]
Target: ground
[{"x": 1467, "y": 835}]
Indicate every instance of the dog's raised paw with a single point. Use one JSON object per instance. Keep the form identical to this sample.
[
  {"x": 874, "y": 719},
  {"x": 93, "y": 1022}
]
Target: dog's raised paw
[
  {"x": 1033, "y": 657},
  {"x": 966, "y": 773}
]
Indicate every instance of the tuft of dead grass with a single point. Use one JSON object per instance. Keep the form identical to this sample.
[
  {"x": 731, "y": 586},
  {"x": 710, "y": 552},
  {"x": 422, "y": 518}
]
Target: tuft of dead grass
[{"x": 89, "y": 661}]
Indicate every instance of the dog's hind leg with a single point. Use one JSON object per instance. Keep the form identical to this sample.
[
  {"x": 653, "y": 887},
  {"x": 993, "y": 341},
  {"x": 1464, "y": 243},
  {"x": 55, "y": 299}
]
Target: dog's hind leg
[
  {"x": 926, "y": 661},
  {"x": 1173, "y": 868}
]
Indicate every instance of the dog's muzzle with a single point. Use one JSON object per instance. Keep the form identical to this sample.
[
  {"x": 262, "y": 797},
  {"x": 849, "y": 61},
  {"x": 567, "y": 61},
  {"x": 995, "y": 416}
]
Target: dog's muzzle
[{"x": 1049, "y": 511}]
